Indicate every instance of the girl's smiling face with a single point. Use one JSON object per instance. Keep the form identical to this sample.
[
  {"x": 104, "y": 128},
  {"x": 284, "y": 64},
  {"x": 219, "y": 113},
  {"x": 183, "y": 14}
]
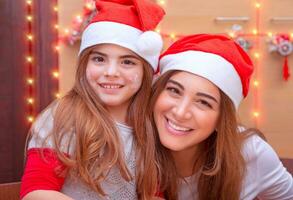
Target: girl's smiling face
[{"x": 115, "y": 74}]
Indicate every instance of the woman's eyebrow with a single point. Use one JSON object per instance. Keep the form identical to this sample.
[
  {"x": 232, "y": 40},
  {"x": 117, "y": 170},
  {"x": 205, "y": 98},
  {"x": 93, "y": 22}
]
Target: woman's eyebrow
[
  {"x": 207, "y": 96},
  {"x": 176, "y": 83}
]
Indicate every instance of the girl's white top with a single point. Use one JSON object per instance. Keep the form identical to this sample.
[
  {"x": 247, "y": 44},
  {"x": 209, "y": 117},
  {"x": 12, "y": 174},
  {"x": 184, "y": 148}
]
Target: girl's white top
[
  {"x": 114, "y": 185},
  {"x": 266, "y": 177}
]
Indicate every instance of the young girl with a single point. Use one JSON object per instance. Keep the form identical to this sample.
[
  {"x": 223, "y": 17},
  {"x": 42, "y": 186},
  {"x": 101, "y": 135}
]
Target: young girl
[
  {"x": 204, "y": 153},
  {"x": 94, "y": 142}
]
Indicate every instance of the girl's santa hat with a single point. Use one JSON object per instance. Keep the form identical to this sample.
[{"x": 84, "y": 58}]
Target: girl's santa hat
[
  {"x": 214, "y": 57},
  {"x": 127, "y": 23}
]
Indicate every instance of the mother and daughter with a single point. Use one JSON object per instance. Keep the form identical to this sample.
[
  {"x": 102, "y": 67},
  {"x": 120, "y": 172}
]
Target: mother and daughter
[{"x": 114, "y": 135}]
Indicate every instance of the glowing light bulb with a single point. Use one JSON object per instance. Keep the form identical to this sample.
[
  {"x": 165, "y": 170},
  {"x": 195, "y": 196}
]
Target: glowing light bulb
[
  {"x": 270, "y": 34},
  {"x": 161, "y": 2},
  {"x": 29, "y": 59},
  {"x": 57, "y": 95},
  {"x": 255, "y": 83},
  {"x": 30, "y": 100},
  {"x": 29, "y": 2},
  {"x": 30, "y": 119},
  {"x": 56, "y": 26},
  {"x": 29, "y": 37},
  {"x": 232, "y": 35},
  {"x": 257, "y": 5},
  {"x": 29, "y": 18},
  {"x": 256, "y": 55},
  {"x": 172, "y": 35},
  {"x": 55, "y": 8},
  {"x": 30, "y": 81},
  {"x": 256, "y": 114},
  {"x": 55, "y": 74},
  {"x": 254, "y": 31}
]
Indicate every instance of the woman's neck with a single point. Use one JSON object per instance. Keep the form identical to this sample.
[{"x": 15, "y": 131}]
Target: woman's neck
[{"x": 184, "y": 161}]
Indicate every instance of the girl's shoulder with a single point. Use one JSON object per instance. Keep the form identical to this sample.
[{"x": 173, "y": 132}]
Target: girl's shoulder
[{"x": 41, "y": 132}]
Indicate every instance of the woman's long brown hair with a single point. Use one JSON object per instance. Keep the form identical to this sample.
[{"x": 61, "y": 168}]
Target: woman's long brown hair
[
  {"x": 82, "y": 119},
  {"x": 220, "y": 164}
]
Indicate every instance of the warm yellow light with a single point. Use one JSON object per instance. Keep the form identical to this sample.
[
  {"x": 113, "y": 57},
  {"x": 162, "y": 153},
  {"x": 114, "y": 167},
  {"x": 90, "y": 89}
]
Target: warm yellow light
[
  {"x": 55, "y": 74},
  {"x": 255, "y": 83},
  {"x": 55, "y": 8},
  {"x": 256, "y": 55},
  {"x": 57, "y": 95},
  {"x": 158, "y": 30},
  {"x": 30, "y": 100},
  {"x": 254, "y": 31},
  {"x": 30, "y": 81},
  {"x": 29, "y": 2},
  {"x": 291, "y": 35},
  {"x": 29, "y": 37},
  {"x": 232, "y": 35},
  {"x": 57, "y": 47},
  {"x": 256, "y": 114},
  {"x": 172, "y": 35},
  {"x": 56, "y": 26},
  {"x": 89, "y": 5},
  {"x": 79, "y": 18},
  {"x": 257, "y": 5},
  {"x": 30, "y": 118},
  {"x": 161, "y": 2},
  {"x": 270, "y": 34},
  {"x": 66, "y": 31},
  {"x": 29, "y": 59},
  {"x": 29, "y": 18}
]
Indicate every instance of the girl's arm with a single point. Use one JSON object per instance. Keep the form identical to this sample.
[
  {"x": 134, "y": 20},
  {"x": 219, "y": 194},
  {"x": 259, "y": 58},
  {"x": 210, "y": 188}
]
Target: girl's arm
[
  {"x": 45, "y": 195},
  {"x": 43, "y": 176}
]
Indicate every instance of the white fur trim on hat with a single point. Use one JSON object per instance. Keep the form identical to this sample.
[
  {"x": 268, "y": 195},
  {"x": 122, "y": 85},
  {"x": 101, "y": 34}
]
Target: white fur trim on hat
[
  {"x": 210, "y": 66},
  {"x": 147, "y": 44}
]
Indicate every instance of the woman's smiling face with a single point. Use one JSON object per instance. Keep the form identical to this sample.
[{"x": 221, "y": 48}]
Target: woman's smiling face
[{"x": 187, "y": 111}]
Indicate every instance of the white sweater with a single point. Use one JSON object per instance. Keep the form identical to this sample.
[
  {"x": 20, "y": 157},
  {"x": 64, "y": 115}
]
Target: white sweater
[
  {"x": 114, "y": 185},
  {"x": 266, "y": 177}
]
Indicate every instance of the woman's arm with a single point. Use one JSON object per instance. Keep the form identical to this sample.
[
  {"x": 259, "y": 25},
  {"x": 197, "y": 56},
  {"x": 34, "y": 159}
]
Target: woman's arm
[{"x": 276, "y": 182}]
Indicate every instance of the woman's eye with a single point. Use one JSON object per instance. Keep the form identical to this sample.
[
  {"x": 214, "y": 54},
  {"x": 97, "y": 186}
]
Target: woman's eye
[
  {"x": 98, "y": 59},
  {"x": 205, "y": 103},
  {"x": 173, "y": 90},
  {"x": 128, "y": 62}
]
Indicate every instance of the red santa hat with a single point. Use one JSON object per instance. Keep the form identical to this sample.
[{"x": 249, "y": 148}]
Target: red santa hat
[
  {"x": 214, "y": 57},
  {"x": 128, "y": 23}
]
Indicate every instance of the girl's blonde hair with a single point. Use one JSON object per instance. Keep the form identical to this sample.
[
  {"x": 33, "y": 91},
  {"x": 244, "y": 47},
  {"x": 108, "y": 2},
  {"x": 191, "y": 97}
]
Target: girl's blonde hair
[
  {"x": 220, "y": 164},
  {"x": 80, "y": 115}
]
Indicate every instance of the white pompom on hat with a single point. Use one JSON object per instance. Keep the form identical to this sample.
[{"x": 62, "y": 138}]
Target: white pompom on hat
[
  {"x": 127, "y": 23},
  {"x": 214, "y": 57}
]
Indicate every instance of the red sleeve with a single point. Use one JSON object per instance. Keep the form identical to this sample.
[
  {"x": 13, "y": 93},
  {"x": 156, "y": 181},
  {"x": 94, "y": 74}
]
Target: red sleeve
[{"x": 42, "y": 172}]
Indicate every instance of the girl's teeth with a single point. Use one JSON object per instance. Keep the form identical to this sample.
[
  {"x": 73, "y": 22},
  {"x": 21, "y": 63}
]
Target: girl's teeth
[
  {"x": 177, "y": 128},
  {"x": 111, "y": 86}
]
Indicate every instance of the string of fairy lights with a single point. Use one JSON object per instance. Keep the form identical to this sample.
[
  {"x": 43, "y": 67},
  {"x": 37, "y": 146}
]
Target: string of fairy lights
[
  {"x": 256, "y": 33},
  {"x": 30, "y": 63}
]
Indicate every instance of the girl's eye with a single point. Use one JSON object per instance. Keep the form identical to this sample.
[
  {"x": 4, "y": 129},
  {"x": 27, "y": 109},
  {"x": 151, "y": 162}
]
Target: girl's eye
[
  {"x": 98, "y": 59},
  {"x": 128, "y": 62},
  {"x": 173, "y": 90}
]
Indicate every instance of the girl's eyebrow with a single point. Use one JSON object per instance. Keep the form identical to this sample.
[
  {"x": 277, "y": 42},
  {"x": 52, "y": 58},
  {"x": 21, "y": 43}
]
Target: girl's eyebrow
[
  {"x": 99, "y": 53},
  {"x": 122, "y": 57}
]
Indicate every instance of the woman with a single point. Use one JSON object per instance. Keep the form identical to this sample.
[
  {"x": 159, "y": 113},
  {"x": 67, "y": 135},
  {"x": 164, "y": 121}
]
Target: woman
[
  {"x": 93, "y": 143},
  {"x": 204, "y": 153}
]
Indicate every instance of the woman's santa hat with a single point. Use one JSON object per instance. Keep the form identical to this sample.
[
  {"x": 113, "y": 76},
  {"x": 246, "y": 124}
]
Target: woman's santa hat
[
  {"x": 214, "y": 57},
  {"x": 127, "y": 23}
]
